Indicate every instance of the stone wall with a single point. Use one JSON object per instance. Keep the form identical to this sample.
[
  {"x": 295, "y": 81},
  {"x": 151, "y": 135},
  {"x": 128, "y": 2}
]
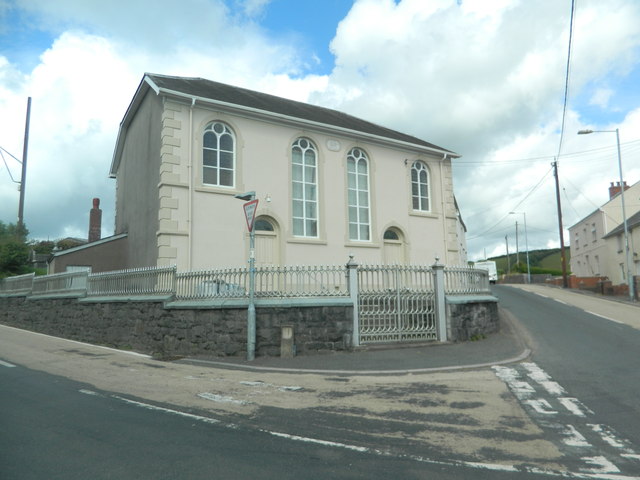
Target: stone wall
[
  {"x": 471, "y": 318},
  {"x": 172, "y": 329},
  {"x": 150, "y": 327}
]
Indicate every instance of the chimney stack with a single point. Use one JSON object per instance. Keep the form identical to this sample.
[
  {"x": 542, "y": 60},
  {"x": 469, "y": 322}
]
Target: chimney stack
[
  {"x": 616, "y": 189},
  {"x": 95, "y": 221}
]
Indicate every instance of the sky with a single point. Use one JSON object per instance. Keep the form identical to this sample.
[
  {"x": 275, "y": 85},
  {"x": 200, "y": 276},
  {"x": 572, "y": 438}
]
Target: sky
[{"x": 483, "y": 78}]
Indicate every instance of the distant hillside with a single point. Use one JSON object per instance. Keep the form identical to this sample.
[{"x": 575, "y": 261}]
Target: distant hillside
[{"x": 540, "y": 261}]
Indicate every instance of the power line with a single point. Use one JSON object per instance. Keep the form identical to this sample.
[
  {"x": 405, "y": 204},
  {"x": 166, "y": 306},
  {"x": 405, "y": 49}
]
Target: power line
[{"x": 567, "y": 76}]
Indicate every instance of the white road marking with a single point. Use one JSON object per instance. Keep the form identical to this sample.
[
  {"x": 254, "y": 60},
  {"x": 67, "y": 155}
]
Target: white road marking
[
  {"x": 540, "y": 376},
  {"x": 575, "y": 406},
  {"x": 89, "y": 392},
  {"x": 316, "y": 441},
  {"x": 633, "y": 456},
  {"x": 7, "y": 364},
  {"x": 607, "y": 435},
  {"x": 602, "y": 465},
  {"x": 606, "y": 318},
  {"x": 541, "y": 406},
  {"x": 574, "y": 438},
  {"x": 168, "y": 410},
  {"x": 561, "y": 301},
  {"x": 382, "y": 453}
]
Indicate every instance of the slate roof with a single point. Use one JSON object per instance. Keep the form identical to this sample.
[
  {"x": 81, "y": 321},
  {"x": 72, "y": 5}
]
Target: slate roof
[
  {"x": 632, "y": 222},
  {"x": 220, "y": 92}
]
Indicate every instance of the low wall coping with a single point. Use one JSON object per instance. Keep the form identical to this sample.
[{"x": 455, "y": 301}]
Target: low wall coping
[
  {"x": 462, "y": 299},
  {"x": 79, "y": 294},
  {"x": 219, "y": 303},
  {"x": 127, "y": 298}
]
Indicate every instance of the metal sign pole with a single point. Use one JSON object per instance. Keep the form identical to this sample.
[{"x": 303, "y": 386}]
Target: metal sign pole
[
  {"x": 250, "y": 214},
  {"x": 251, "y": 312}
]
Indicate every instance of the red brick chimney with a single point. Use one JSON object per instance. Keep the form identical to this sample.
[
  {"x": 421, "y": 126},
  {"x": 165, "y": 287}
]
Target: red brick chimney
[
  {"x": 95, "y": 221},
  {"x": 615, "y": 189}
]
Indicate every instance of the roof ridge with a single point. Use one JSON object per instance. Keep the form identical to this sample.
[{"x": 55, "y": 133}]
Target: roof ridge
[{"x": 214, "y": 90}]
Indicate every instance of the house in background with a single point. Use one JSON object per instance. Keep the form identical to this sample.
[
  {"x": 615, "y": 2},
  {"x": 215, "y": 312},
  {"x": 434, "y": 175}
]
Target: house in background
[
  {"x": 597, "y": 241},
  {"x": 329, "y": 185},
  {"x": 615, "y": 243}
]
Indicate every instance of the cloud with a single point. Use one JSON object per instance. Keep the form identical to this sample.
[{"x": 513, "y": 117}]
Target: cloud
[
  {"x": 482, "y": 78},
  {"x": 486, "y": 80},
  {"x": 601, "y": 97},
  {"x": 84, "y": 81}
]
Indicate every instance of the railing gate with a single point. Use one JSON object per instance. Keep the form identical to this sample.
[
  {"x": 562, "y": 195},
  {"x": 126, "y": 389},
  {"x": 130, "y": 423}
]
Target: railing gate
[{"x": 396, "y": 304}]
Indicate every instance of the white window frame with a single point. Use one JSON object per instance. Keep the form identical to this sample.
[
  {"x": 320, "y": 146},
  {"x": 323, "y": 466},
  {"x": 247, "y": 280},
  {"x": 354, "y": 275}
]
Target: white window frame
[
  {"x": 217, "y": 153},
  {"x": 420, "y": 187},
  {"x": 358, "y": 196},
  {"x": 304, "y": 188}
]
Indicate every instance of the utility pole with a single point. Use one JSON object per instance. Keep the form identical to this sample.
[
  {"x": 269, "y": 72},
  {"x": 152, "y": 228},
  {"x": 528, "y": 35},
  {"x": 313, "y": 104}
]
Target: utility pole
[
  {"x": 23, "y": 178},
  {"x": 506, "y": 239},
  {"x": 563, "y": 258},
  {"x": 517, "y": 247}
]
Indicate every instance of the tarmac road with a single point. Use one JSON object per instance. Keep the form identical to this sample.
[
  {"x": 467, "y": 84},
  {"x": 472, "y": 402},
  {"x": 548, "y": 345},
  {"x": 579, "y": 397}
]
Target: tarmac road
[{"x": 453, "y": 423}]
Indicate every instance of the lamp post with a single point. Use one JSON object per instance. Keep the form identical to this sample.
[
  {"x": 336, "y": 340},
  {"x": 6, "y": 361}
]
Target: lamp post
[
  {"x": 250, "y": 210},
  {"x": 526, "y": 242},
  {"x": 624, "y": 212}
]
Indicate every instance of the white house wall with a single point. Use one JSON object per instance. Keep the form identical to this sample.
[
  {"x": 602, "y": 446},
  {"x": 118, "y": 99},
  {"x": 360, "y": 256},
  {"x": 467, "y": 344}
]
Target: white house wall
[
  {"x": 203, "y": 227},
  {"x": 592, "y": 255}
]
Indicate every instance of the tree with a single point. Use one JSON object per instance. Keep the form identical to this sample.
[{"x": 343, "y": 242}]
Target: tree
[{"x": 14, "y": 252}]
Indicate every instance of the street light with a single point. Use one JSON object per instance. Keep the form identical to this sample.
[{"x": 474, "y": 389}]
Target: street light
[
  {"x": 526, "y": 242},
  {"x": 624, "y": 212},
  {"x": 251, "y": 310}
]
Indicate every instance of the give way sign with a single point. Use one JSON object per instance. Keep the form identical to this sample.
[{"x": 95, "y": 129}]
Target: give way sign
[{"x": 250, "y": 212}]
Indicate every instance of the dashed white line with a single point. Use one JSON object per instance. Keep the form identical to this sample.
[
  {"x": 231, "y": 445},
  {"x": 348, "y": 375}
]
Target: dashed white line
[
  {"x": 574, "y": 438},
  {"x": 604, "y": 472},
  {"x": 541, "y": 406},
  {"x": 601, "y": 465},
  {"x": 607, "y": 435},
  {"x": 7, "y": 364},
  {"x": 575, "y": 406},
  {"x": 168, "y": 410},
  {"x": 605, "y": 317}
]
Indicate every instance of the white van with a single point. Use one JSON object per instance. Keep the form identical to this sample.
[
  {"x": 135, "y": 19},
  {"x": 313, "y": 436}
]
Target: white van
[{"x": 489, "y": 266}]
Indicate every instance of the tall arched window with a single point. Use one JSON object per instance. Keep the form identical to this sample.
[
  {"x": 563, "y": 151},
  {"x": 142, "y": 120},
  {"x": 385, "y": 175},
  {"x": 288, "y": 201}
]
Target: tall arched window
[
  {"x": 304, "y": 174},
  {"x": 420, "y": 186},
  {"x": 218, "y": 155},
  {"x": 358, "y": 195}
]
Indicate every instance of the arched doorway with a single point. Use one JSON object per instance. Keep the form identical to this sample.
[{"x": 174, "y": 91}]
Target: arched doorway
[
  {"x": 267, "y": 242},
  {"x": 393, "y": 247}
]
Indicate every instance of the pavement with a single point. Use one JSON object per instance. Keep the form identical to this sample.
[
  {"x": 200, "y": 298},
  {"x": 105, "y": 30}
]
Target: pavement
[{"x": 509, "y": 345}]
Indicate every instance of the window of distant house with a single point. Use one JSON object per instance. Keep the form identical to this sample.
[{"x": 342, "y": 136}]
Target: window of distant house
[
  {"x": 358, "y": 195},
  {"x": 218, "y": 155},
  {"x": 304, "y": 174},
  {"x": 420, "y": 186},
  {"x": 594, "y": 233}
]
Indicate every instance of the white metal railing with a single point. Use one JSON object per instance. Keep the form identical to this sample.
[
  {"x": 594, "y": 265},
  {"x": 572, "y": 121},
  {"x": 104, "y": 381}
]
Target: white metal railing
[
  {"x": 20, "y": 284},
  {"x": 231, "y": 282},
  {"x": 408, "y": 277},
  {"x": 270, "y": 282},
  {"x": 465, "y": 280},
  {"x": 61, "y": 283},
  {"x": 137, "y": 281}
]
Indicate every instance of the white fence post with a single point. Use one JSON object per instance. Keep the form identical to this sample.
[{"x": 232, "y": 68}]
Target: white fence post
[
  {"x": 352, "y": 280},
  {"x": 439, "y": 297}
]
